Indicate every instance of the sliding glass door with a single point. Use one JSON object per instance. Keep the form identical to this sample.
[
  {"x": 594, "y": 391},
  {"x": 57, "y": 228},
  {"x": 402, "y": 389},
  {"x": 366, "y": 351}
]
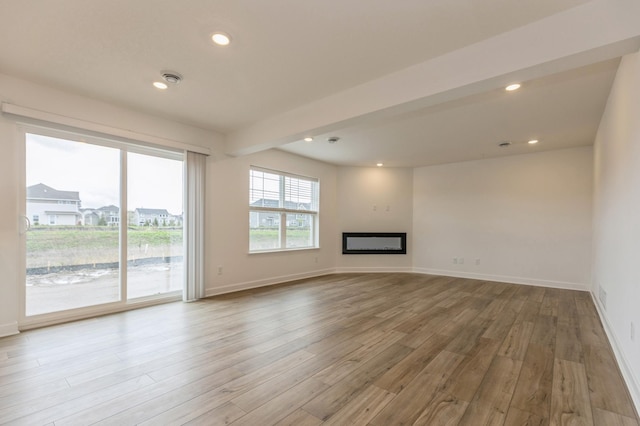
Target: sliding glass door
[
  {"x": 73, "y": 255},
  {"x": 105, "y": 224},
  {"x": 154, "y": 230}
]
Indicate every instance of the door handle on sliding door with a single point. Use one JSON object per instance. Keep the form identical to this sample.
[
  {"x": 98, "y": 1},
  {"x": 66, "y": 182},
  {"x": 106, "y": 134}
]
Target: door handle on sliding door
[{"x": 27, "y": 225}]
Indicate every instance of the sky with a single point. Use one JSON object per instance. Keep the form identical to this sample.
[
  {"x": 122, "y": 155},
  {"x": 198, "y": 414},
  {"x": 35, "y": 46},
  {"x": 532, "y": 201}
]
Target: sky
[
  {"x": 94, "y": 171},
  {"x": 266, "y": 185}
]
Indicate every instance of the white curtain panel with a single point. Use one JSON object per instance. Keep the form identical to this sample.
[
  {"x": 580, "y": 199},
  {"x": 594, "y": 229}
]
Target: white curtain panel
[{"x": 195, "y": 171}]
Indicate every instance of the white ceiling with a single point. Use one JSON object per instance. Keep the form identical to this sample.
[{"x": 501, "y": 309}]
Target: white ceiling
[
  {"x": 561, "y": 111},
  {"x": 286, "y": 54}
]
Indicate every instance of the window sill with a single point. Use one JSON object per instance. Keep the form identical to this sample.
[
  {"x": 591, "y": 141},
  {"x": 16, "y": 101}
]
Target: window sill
[{"x": 284, "y": 250}]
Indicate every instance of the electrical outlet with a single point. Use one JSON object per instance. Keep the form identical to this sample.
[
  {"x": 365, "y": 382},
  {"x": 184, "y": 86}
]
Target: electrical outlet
[
  {"x": 219, "y": 270},
  {"x": 477, "y": 261},
  {"x": 455, "y": 260}
]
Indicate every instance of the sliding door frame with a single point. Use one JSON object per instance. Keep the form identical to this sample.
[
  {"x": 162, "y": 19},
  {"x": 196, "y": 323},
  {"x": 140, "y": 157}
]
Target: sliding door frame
[{"x": 124, "y": 146}]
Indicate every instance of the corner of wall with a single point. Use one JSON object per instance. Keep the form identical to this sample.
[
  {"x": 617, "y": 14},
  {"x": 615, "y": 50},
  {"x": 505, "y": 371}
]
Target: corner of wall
[
  {"x": 623, "y": 363},
  {"x": 616, "y": 201},
  {"x": 249, "y": 285}
]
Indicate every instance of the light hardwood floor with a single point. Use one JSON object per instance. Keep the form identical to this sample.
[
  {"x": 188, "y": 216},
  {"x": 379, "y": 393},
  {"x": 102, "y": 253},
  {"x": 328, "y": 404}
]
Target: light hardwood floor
[{"x": 351, "y": 349}]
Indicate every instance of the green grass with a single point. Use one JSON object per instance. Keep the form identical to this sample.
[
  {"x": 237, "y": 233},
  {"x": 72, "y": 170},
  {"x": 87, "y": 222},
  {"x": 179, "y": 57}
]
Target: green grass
[
  {"x": 265, "y": 238},
  {"x": 89, "y": 238},
  {"x": 58, "y": 246}
]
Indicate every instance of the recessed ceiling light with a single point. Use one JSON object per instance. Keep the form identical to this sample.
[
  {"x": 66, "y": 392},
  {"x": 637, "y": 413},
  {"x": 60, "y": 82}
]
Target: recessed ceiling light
[
  {"x": 512, "y": 87},
  {"x": 308, "y": 139},
  {"x": 221, "y": 39},
  {"x": 533, "y": 141},
  {"x": 379, "y": 164},
  {"x": 160, "y": 85}
]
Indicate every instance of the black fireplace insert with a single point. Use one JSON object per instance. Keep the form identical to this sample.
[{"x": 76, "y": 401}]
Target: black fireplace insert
[{"x": 374, "y": 243}]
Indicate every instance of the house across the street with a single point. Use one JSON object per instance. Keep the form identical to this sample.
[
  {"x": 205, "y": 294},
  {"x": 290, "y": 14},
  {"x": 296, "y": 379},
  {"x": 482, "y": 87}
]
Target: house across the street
[
  {"x": 159, "y": 217},
  {"x": 104, "y": 216},
  {"x": 49, "y": 206},
  {"x": 267, "y": 219}
]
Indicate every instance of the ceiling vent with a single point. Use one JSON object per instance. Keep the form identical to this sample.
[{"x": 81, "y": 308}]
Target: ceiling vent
[
  {"x": 171, "y": 77},
  {"x": 333, "y": 139},
  {"x": 504, "y": 144}
]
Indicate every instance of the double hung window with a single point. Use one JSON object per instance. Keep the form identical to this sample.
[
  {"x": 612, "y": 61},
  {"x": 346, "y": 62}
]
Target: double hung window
[{"x": 283, "y": 211}]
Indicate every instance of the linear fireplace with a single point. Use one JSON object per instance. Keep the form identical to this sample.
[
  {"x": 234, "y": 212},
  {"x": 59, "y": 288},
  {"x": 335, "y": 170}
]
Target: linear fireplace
[{"x": 374, "y": 243}]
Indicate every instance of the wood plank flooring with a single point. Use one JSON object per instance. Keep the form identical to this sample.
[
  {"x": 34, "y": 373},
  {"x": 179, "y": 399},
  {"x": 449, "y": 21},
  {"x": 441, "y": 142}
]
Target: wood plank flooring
[{"x": 348, "y": 349}]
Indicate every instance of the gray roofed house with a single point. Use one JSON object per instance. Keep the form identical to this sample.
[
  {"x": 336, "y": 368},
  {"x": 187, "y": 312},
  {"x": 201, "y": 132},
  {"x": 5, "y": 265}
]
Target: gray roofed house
[
  {"x": 41, "y": 191},
  {"x": 110, "y": 209},
  {"x": 269, "y": 219},
  {"x": 111, "y": 214},
  {"x": 50, "y": 206},
  {"x": 106, "y": 215},
  {"x": 143, "y": 216},
  {"x": 291, "y": 205},
  {"x": 90, "y": 217}
]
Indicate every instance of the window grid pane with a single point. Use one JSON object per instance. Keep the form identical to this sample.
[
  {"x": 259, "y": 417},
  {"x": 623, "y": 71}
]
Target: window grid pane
[
  {"x": 299, "y": 233},
  {"x": 264, "y": 230},
  {"x": 299, "y": 194},
  {"x": 264, "y": 189},
  {"x": 277, "y": 228}
]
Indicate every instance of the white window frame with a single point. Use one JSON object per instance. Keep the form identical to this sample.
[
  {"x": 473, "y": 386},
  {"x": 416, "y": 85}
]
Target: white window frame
[{"x": 283, "y": 211}]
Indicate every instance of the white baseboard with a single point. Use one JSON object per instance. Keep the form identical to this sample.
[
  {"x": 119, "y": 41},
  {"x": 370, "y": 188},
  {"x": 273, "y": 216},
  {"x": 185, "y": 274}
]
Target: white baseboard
[
  {"x": 390, "y": 269},
  {"x": 369, "y": 269},
  {"x": 504, "y": 279},
  {"x": 265, "y": 282},
  {"x": 625, "y": 367},
  {"x": 9, "y": 329}
]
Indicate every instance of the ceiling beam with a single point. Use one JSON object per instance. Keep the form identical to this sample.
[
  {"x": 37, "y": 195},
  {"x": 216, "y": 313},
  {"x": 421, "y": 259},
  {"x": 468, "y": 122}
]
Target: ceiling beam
[{"x": 593, "y": 32}]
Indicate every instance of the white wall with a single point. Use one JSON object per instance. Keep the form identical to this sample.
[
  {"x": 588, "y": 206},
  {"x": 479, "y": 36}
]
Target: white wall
[
  {"x": 27, "y": 94},
  {"x": 616, "y": 232},
  {"x": 526, "y": 217},
  {"x": 227, "y": 243},
  {"x": 374, "y": 199}
]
